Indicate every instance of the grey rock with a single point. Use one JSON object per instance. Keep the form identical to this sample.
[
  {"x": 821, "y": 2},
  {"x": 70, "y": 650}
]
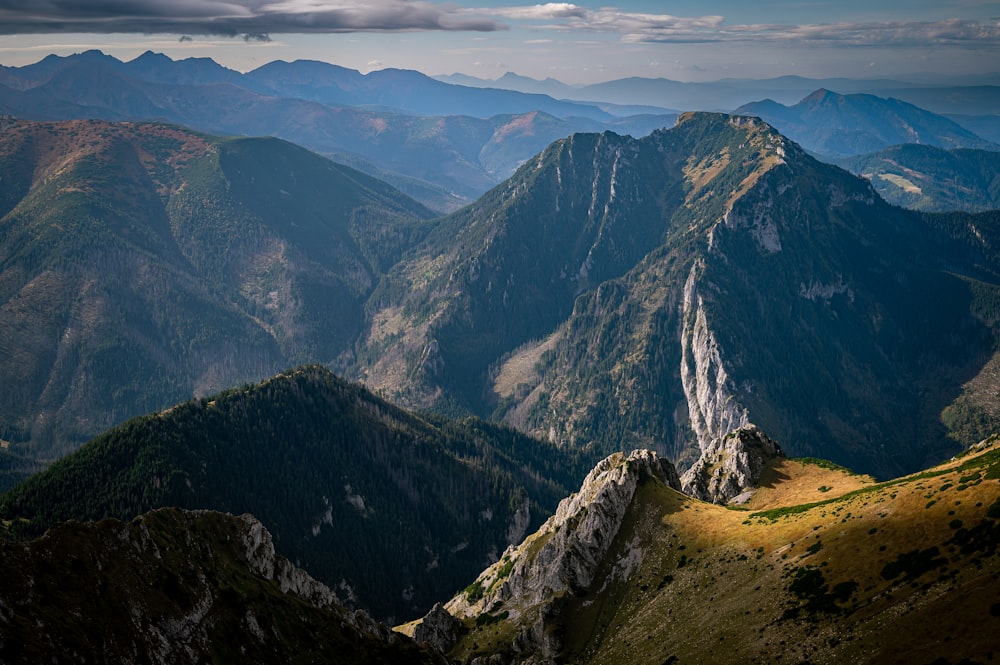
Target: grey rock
[
  {"x": 563, "y": 556},
  {"x": 438, "y": 628},
  {"x": 731, "y": 465}
]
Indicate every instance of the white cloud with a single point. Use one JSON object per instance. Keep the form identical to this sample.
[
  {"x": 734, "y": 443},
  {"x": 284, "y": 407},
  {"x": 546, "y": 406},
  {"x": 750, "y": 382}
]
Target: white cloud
[{"x": 665, "y": 28}]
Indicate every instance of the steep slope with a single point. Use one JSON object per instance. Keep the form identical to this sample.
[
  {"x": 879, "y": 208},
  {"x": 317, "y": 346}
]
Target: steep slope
[
  {"x": 392, "y": 510},
  {"x": 663, "y": 292},
  {"x": 177, "y": 587},
  {"x": 142, "y": 263},
  {"x": 838, "y": 125},
  {"x": 861, "y": 572},
  {"x": 923, "y": 177}
]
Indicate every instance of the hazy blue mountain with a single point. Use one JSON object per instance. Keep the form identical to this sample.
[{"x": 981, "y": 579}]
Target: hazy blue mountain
[
  {"x": 973, "y": 95},
  {"x": 987, "y": 126},
  {"x": 444, "y": 161},
  {"x": 923, "y": 177},
  {"x": 406, "y": 91},
  {"x": 837, "y": 125}
]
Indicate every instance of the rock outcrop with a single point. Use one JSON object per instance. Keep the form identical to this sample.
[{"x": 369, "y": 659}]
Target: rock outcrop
[
  {"x": 731, "y": 465},
  {"x": 561, "y": 558},
  {"x": 439, "y": 628}
]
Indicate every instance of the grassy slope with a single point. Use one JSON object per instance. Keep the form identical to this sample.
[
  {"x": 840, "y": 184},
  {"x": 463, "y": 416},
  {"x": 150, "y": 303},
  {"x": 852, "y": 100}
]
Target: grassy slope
[{"x": 902, "y": 571}]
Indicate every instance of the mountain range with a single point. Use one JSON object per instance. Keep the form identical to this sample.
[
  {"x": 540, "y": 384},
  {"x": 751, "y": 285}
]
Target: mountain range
[
  {"x": 446, "y": 144},
  {"x": 614, "y": 293},
  {"x": 973, "y": 96},
  {"x": 709, "y": 295},
  {"x": 445, "y": 150}
]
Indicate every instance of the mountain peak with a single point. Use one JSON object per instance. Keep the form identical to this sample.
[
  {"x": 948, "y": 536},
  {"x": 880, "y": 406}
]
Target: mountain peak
[
  {"x": 819, "y": 96},
  {"x": 564, "y": 556}
]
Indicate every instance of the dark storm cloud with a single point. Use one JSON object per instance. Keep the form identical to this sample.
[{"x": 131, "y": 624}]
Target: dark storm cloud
[{"x": 256, "y": 18}]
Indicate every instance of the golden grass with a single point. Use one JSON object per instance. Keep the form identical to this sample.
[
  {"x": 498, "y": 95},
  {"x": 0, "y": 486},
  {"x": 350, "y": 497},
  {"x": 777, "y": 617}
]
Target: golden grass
[
  {"x": 789, "y": 482},
  {"x": 715, "y": 585},
  {"x": 901, "y": 182}
]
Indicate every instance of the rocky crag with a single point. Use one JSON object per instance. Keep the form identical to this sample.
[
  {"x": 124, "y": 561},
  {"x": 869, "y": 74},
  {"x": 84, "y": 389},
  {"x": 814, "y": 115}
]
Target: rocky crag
[
  {"x": 820, "y": 566},
  {"x": 730, "y": 468},
  {"x": 567, "y": 556}
]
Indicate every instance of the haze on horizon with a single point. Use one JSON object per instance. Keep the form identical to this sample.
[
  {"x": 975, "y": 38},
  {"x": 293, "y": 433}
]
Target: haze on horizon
[{"x": 578, "y": 43}]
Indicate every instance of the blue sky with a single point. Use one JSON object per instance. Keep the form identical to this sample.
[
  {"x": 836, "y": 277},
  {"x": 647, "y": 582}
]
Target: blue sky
[{"x": 575, "y": 42}]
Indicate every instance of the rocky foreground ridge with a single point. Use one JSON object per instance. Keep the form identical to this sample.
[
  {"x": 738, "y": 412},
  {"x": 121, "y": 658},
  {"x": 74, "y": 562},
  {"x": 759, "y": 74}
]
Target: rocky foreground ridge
[
  {"x": 563, "y": 558},
  {"x": 823, "y": 566}
]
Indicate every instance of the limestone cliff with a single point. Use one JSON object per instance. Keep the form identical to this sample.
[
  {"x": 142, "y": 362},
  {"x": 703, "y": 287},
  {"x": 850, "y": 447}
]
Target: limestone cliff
[{"x": 561, "y": 559}]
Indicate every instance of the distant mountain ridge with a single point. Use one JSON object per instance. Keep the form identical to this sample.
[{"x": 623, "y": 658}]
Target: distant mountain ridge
[
  {"x": 977, "y": 96},
  {"x": 836, "y": 125},
  {"x": 439, "y": 143}
]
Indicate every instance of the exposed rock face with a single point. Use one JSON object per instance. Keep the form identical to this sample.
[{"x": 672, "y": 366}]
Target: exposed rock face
[
  {"x": 712, "y": 407},
  {"x": 563, "y": 556},
  {"x": 262, "y": 559},
  {"x": 438, "y": 628},
  {"x": 731, "y": 465}
]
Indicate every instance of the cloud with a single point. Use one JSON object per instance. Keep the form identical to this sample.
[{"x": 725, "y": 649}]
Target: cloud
[
  {"x": 252, "y": 19},
  {"x": 548, "y": 11},
  {"x": 664, "y": 28}
]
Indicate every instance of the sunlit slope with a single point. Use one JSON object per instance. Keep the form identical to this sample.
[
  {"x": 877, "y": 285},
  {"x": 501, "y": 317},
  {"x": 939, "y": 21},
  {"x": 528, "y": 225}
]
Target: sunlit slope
[{"x": 901, "y": 571}]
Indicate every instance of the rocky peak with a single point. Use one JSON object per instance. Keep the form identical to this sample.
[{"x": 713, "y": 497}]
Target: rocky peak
[
  {"x": 561, "y": 558},
  {"x": 731, "y": 466}
]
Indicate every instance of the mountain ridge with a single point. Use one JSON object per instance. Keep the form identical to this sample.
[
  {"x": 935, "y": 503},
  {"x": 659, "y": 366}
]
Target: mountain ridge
[
  {"x": 838, "y": 125},
  {"x": 871, "y": 573},
  {"x": 330, "y": 469},
  {"x": 555, "y": 302},
  {"x": 189, "y": 266},
  {"x": 189, "y": 583}
]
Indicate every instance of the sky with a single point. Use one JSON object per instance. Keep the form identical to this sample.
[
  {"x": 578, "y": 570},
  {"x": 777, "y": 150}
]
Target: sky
[{"x": 577, "y": 43}]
